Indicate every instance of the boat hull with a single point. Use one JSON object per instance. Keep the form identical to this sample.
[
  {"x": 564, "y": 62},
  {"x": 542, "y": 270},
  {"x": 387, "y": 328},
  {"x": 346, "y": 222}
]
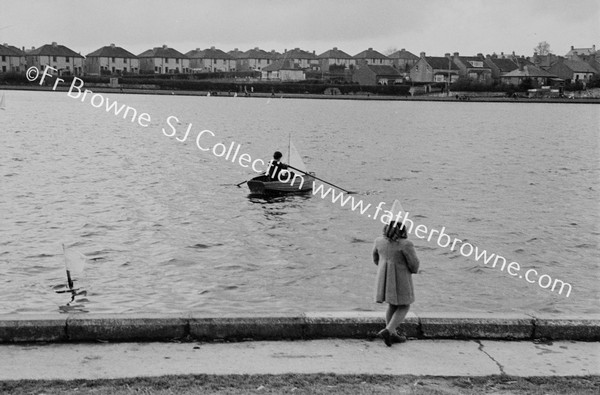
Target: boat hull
[{"x": 263, "y": 185}]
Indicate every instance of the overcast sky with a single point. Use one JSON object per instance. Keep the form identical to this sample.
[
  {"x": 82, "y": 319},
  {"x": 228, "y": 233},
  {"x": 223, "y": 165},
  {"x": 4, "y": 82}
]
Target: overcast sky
[{"x": 434, "y": 26}]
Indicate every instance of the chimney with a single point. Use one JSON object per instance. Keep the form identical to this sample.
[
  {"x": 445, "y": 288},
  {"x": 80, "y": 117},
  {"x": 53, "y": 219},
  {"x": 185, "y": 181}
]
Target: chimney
[
  {"x": 164, "y": 46},
  {"x": 455, "y": 54},
  {"x": 594, "y": 48},
  {"x": 403, "y": 49},
  {"x": 112, "y": 45},
  {"x": 447, "y": 54},
  {"x": 335, "y": 48},
  {"x": 54, "y": 44},
  {"x": 314, "y": 53},
  {"x": 422, "y": 54},
  {"x": 572, "y": 48},
  {"x": 480, "y": 55},
  {"x": 197, "y": 49},
  {"x": 212, "y": 47}
]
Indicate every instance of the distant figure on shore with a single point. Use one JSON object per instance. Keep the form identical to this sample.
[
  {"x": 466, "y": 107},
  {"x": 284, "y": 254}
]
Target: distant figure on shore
[
  {"x": 397, "y": 260},
  {"x": 275, "y": 166}
]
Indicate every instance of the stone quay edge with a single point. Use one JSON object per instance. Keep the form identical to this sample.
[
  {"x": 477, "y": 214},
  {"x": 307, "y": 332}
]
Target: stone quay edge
[{"x": 21, "y": 328}]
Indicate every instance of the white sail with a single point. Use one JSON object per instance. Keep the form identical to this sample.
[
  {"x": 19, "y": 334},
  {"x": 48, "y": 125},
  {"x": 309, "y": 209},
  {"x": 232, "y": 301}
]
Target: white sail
[
  {"x": 74, "y": 260},
  {"x": 294, "y": 158},
  {"x": 2, "y": 102}
]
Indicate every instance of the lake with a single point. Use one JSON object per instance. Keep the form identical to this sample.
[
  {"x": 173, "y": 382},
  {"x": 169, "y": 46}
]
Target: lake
[{"x": 166, "y": 229}]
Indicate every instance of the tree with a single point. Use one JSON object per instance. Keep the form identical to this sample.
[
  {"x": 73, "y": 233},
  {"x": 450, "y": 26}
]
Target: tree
[
  {"x": 390, "y": 51},
  {"x": 542, "y": 49}
]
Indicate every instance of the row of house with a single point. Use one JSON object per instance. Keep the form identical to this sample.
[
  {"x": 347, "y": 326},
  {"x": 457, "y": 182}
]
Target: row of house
[
  {"x": 368, "y": 67},
  {"x": 113, "y": 59}
]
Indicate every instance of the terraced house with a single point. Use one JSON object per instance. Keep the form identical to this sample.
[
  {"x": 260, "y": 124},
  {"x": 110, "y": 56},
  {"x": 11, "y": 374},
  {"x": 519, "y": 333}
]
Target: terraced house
[
  {"x": 301, "y": 59},
  {"x": 335, "y": 58},
  {"x": 210, "y": 60},
  {"x": 63, "y": 59},
  {"x": 573, "y": 70},
  {"x": 500, "y": 66},
  {"x": 403, "y": 60},
  {"x": 111, "y": 60},
  {"x": 12, "y": 59},
  {"x": 434, "y": 69},
  {"x": 370, "y": 56},
  {"x": 473, "y": 67},
  {"x": 163, "y": 60},
  {"x": 253, "y": 59}
]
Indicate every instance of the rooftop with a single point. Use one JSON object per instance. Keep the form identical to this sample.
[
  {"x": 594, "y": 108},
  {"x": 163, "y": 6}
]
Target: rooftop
[
  {"x": 162, "y": 52},
  {"x": 53, "y": 49},
  {"x": 112, "y": 51},
  {"x": 403, "y": 54},
  {"x": 209, "y": 53},
  {"x": 370, "y": 54},
  {"x": 335, "y": 53}
]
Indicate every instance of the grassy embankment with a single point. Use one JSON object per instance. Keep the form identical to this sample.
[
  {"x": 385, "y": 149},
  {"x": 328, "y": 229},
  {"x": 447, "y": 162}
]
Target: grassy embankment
[{"x": 310, "y": 384}]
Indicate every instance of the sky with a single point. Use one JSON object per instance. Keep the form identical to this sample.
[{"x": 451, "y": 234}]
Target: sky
[{"x": 435, "y": 27}]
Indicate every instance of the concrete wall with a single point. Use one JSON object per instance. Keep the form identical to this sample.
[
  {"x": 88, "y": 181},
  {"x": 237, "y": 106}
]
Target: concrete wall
[{"x": 154, "y": 327}]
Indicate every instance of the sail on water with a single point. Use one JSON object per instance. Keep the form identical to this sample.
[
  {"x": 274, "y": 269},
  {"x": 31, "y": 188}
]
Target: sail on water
[
  {"x": 2, "y": 102},
  {"x": 294, "y": 158},
  {"x": 74, "y": 263}
]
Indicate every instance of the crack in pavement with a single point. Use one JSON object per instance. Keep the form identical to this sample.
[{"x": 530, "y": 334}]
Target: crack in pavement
[{"x": 502, "y": 372}]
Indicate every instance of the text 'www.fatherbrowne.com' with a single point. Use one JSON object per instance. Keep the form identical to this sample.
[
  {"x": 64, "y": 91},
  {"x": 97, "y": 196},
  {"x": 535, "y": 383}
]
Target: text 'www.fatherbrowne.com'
[{"x": 443, "y": 240}]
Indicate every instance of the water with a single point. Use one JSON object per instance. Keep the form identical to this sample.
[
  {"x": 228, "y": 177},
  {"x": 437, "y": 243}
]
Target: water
[{"x": 167, "y": 230}]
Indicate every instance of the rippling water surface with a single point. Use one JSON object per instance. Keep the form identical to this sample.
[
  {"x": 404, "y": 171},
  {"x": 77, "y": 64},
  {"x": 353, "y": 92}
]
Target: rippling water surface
[{"x": 167, "y": 230}]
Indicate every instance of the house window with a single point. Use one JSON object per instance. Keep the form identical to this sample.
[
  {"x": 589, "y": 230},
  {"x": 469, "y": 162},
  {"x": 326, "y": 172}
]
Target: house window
[
  {"x": 113, "y": 59},
  {"x": 54, "y": 58},
  {"x": 124, "y": 60},
  {"x": 155, "y": 69},
  {"x": 177, "y": 60},
  {"x": 67, "y": 59},
  {"x": 3, "y": 58},
  {"x": 166, "y": 60}
]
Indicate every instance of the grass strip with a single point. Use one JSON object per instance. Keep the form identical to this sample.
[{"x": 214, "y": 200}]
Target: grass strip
[{"x": 309, "y": 384}]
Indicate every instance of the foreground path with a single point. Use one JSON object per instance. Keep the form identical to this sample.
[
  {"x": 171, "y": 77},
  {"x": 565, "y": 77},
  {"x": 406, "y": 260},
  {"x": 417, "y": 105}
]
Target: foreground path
[{"x": 341, "y": 356}]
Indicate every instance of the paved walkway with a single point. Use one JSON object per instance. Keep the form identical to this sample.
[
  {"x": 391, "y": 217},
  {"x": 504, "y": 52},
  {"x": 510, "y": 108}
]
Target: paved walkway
[{"x": 341, "y": 356}]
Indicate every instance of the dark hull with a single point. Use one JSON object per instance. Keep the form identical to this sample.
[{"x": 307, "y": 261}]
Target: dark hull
[{"x": 263, "y": 185}]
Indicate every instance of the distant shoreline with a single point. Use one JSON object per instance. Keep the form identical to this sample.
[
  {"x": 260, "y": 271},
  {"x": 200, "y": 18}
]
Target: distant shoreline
[{"x": 471, "y": 99}]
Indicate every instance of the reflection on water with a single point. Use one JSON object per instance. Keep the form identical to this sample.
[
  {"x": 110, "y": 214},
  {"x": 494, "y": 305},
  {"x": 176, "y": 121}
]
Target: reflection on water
[
  {"x": 167, "y": 230},
  {"x": 76, "y": 303}
]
